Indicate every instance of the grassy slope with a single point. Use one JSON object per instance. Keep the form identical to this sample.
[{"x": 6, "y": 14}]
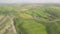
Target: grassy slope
[{"x": 35, "y": 20}]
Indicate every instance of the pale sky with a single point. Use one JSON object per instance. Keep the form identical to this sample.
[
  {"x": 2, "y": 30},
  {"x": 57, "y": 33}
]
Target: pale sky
[{"x": 29, "y": 1}]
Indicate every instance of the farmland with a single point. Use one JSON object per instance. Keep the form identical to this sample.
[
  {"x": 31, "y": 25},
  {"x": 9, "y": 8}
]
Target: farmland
[{"x": 29, "y": 19}]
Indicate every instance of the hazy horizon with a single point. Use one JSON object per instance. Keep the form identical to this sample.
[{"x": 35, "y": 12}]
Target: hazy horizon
[{"x": 29, "y": 1}]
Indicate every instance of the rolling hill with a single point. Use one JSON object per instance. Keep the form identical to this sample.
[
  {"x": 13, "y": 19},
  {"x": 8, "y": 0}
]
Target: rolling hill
[{"x": 30, "y": 19}]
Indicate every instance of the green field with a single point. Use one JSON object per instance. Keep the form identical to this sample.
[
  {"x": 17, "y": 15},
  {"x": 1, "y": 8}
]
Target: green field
[{"x": 32, "y": 19}]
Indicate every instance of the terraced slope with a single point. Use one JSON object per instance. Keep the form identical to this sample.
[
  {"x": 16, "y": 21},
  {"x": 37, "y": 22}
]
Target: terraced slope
[{"x": 7, "y": 26}]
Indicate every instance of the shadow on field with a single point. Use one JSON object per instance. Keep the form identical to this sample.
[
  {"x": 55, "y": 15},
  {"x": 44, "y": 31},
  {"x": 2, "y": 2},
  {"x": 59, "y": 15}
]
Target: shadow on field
[{"x": 20, "y": 29}]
